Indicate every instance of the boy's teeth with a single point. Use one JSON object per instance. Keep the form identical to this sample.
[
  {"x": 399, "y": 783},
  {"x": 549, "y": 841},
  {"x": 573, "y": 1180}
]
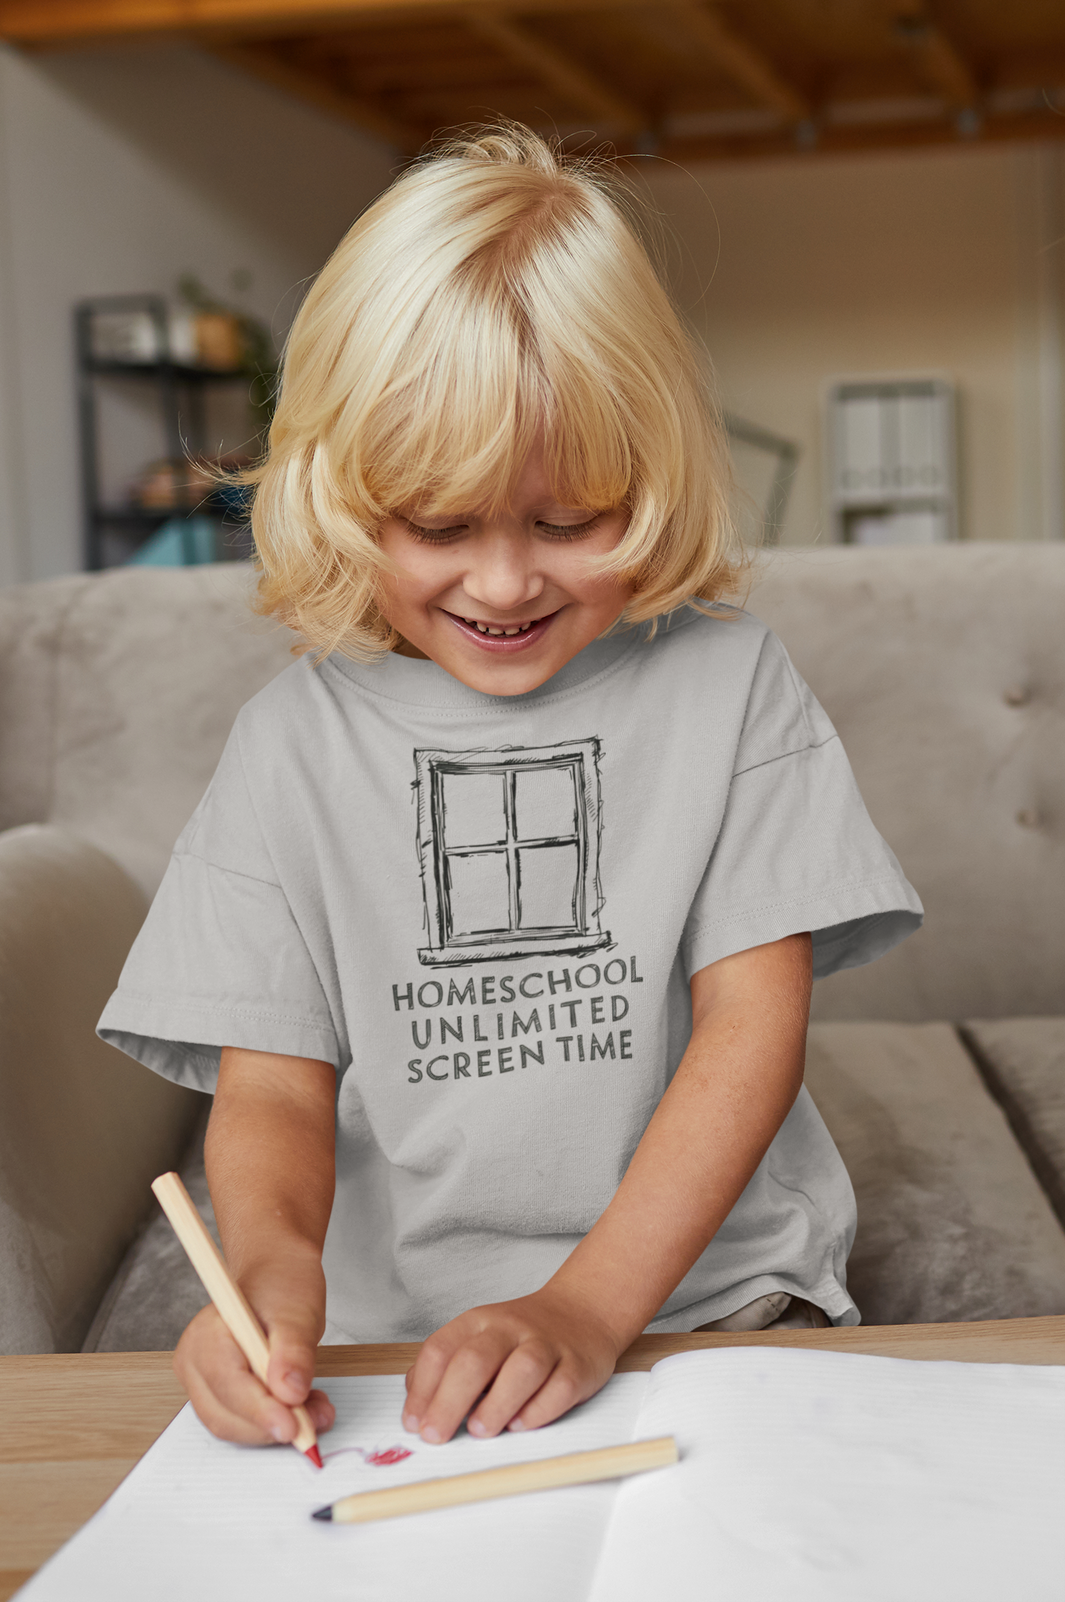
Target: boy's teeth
[{"x": 485, "y": 628}]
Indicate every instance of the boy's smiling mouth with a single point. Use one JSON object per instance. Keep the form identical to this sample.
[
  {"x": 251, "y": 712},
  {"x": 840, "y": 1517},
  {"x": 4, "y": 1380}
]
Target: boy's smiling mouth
[{"x": 501, "y": 636}]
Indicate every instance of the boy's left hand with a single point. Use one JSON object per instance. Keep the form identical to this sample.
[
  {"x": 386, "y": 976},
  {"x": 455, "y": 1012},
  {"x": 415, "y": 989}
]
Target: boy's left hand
[{"x": 535, "y": 1357}]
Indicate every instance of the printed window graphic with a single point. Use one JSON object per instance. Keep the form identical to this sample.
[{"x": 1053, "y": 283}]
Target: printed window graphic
[{"x": 509, "y": 848}]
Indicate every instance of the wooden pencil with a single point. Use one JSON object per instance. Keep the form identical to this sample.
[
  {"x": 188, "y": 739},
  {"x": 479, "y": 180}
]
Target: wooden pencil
[
  {"x": 576, "y": 1468},
  {"x": 225, "y": 1293}
]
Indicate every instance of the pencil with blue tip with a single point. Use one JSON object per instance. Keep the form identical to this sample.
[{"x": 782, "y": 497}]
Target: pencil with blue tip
[{"x": 576, "y": 1468}]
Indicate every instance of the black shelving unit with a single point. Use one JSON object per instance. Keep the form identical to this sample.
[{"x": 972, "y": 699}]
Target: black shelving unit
[{"x": 113, "y": 533}]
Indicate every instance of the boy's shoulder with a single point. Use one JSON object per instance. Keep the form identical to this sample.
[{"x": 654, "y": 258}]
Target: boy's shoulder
[
  {"x": 717, "y": 628},
  {"x": 286, "y": 702},
  {"x": 751, "y": 674}
]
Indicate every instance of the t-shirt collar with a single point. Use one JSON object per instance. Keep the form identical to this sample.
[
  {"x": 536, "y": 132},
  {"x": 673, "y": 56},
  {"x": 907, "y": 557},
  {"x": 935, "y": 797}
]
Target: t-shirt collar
[{"x": 420, "y": 683}]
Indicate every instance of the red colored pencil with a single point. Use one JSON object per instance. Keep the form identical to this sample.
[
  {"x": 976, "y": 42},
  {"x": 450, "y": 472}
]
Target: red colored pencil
[{"x": 229, "y": 1299}]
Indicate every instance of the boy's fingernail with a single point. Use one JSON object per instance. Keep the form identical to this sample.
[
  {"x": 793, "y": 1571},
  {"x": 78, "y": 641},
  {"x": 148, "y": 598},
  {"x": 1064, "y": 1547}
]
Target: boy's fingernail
[
  {"x": 411, "y": 1422},
  {"x": 516, "y": 1425},
  {"x": 475, "y": 1427},
  {"x": 431, "y": 1435},
  {"x": 278, "y": 1432},
  {"x": 295, "y": 1379}
]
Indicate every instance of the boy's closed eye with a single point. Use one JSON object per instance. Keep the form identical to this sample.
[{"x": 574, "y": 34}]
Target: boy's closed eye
[{"x": 447, "y": 533}]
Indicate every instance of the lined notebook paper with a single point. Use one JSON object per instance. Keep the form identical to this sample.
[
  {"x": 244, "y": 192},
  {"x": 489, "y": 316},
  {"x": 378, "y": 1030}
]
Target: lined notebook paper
[{"x": 812, "y": 1475}]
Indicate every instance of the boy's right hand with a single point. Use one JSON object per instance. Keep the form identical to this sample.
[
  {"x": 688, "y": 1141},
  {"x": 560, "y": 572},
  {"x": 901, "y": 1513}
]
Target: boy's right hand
[{"x": 226, "y": 1394}]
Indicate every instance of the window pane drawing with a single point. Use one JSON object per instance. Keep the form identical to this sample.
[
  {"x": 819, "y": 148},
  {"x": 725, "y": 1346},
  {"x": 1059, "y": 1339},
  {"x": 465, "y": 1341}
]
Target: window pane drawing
[
  {"x": 547, "y": 880},
  {"x": 508, "y": 842},
  {"x": 477, "y": 890}
]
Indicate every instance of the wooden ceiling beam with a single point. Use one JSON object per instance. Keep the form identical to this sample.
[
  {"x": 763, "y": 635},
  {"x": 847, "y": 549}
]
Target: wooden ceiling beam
[
  {"x": 56, "y": 22},
  {"x": 557, "y": 70},
  {"x": 939, "y": 62},
  {"x": 886, "y": 137},
  {"x": 738, "y": 59},
  {"x": 478, "y": 77},
  {"x": 271, "y": 66}
]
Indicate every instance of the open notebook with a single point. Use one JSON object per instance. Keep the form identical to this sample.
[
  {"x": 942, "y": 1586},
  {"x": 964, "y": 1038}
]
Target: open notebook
[{"x": 810, "y": 1476}]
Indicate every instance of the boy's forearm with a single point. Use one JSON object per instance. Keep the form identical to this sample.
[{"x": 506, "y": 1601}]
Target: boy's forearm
[
  {"x": 733, "y": 1089},
  {"x": 270, "y": 1161}
]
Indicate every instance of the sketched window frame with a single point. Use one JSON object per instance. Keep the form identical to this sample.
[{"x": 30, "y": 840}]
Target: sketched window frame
[{"x": 583, "y": 934}]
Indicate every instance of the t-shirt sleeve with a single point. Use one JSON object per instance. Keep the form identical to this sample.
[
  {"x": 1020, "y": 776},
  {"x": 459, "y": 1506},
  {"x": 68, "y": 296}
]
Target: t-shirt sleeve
[
  {"x": 797, "y": 849},
  {"x": 220, "y": 960}
]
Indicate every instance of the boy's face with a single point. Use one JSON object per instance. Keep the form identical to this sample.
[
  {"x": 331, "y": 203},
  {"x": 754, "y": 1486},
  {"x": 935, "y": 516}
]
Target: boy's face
[{"x": 503, "y": 600}]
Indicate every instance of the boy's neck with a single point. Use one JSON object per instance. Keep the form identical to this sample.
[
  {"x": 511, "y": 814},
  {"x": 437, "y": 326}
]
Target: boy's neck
[{"x": 405, "y": 648}]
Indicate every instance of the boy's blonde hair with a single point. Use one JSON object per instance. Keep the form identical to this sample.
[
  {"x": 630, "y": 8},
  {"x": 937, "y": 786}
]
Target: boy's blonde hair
[{"x": 493, "y": 296}]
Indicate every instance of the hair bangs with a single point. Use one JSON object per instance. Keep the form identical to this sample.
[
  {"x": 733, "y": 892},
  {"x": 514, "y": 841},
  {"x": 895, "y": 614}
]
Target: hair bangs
[{"x": 453, "y": 431}]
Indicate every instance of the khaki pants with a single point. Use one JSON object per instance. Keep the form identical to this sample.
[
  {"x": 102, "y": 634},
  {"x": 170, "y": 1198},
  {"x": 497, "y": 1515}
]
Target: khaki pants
[{"x": 778, "y": 1310}]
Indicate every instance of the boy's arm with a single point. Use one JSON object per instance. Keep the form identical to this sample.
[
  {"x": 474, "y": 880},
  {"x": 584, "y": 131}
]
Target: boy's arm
[
  {"x": 542, "y": 1354},
  {"x": 270, "y": 1167}
]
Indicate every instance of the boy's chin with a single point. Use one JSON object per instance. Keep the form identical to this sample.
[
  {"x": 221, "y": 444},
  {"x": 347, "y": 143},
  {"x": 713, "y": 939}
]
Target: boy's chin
[{"x": 502, "y": 675}]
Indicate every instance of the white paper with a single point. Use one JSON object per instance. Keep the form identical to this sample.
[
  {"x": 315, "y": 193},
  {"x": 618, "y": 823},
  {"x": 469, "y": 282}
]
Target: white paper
[
  {"x": 199, "y": 1520},
  {"x": 808, "y": 1476},
  {"x": 819, "y": 1477}
]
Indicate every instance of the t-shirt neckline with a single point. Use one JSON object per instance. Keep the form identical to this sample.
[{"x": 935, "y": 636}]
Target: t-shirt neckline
[{"x": 422, "y": 683}]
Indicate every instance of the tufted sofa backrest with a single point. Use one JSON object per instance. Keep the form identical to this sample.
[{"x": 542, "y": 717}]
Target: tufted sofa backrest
[
  {"x": 942, "y": 668},
  {"x": 117, "y": 692}
]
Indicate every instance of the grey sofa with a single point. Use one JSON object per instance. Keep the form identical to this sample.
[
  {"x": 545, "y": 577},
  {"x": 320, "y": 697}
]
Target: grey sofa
[{"x": 940, "y": 1070}]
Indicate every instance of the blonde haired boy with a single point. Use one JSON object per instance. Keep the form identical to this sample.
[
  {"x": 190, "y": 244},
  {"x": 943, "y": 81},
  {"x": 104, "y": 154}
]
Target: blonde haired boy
[{"x": 494, "y": 932}]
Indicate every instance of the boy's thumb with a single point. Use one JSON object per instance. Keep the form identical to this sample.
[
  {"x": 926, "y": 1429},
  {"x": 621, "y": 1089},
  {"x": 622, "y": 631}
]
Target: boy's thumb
[{"x": 290, "y": 1371}]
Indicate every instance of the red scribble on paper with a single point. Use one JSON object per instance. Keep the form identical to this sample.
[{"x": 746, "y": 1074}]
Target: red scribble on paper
[{"x": 381, "y": 1457}]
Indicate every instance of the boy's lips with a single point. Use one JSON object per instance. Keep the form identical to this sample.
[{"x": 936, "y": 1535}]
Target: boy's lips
[{"x": 528, "y": 633}]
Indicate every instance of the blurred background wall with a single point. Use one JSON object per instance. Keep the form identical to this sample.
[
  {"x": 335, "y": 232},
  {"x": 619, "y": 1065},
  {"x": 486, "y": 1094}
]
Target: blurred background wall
[
  {"x": 932, "y": 259},
  {"x": 123, "y": 165},
  {"x": 119, "y": 169}
]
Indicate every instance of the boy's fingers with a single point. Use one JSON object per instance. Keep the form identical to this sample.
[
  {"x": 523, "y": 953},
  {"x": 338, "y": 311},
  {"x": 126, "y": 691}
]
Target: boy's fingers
[
  {"x": 524, "y": 1374},
  {"x": 562, "y": 1391},
  {"x": 469, "y": 1373},
  {"x": 233, "y": 1403},
  {"x": 242, "y": 1410},
  {"x": 323, "y": 1413},
  {"x": 423, "y": 1379},
  {"x": 224, "y": 1392}
]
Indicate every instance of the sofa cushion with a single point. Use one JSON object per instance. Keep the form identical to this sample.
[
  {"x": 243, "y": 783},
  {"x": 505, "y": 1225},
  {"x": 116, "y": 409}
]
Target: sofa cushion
[
  {"x": 83, "y": 1130},
  {"x": 156, "y": 1290},
  {"x": 154, "y": 665},
  {"x": 952, "y": 1223},
  {"x": 1023, "y": 1062}
]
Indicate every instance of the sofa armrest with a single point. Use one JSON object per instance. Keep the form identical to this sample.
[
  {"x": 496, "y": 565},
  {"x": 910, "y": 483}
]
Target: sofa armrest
[{"x": 83, "y": 1129}]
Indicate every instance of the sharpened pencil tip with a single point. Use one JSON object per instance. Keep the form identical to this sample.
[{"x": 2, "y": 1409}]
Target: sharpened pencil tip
[
  {"x": 324, "y": 1513},
  {"x": 315, "y": 1456}
]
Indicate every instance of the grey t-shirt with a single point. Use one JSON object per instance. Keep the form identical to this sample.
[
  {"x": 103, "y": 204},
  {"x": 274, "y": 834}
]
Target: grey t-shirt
[{"x": 484, "y": 911}]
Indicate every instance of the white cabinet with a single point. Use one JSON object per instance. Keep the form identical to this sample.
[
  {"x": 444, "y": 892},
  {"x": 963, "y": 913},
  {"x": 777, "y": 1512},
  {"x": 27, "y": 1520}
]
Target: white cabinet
[{"x": 891, "y": 461}]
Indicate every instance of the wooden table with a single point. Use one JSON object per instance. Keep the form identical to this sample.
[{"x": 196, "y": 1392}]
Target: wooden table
[{"x": 72, "y": 1427}]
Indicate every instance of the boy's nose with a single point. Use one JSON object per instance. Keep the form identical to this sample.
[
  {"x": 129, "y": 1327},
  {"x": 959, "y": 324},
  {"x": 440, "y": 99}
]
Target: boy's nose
[{"x": 503, "y": 577}]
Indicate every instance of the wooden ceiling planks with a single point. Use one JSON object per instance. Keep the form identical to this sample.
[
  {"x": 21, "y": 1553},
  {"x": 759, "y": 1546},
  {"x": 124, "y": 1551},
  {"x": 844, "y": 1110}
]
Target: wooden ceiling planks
[{"x": 690, "y": 79}]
